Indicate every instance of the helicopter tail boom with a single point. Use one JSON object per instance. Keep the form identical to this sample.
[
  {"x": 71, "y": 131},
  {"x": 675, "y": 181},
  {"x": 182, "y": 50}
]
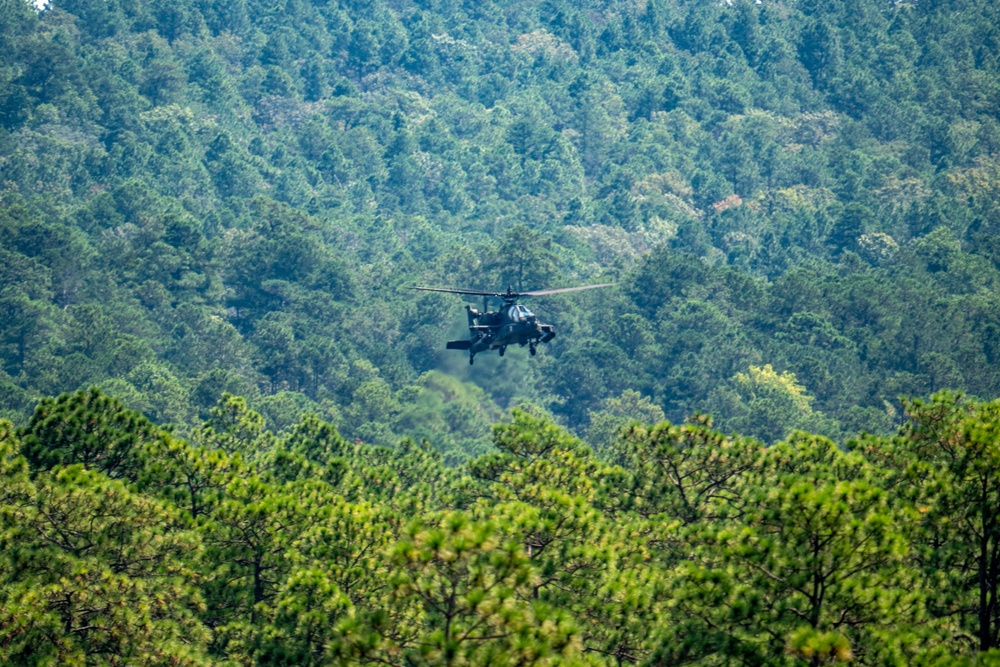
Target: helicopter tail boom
[{"x": 458, "y": 345}]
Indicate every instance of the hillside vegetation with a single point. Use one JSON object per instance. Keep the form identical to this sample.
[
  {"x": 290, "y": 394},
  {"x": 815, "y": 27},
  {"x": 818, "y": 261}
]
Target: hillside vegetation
[
  {"x": 229, "y": 435},
  {"x": 798, "y": 200}
]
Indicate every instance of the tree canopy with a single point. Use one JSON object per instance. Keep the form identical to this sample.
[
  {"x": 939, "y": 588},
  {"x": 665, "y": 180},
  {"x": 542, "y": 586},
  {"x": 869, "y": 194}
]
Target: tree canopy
[
  {"x": 230, "y": 436},
  {"x": 198, "y": 199},
  {"x": 679, "y": 545}
]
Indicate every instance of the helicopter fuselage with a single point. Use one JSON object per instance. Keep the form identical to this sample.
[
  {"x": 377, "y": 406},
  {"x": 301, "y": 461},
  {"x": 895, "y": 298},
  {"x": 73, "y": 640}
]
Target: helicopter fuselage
[{"x": 514, "y": 324}]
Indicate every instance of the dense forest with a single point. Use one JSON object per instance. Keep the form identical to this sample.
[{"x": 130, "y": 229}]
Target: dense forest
[
  {"x": 229, "y": 433},
  {"x": 125, "y": 545},
  {"x": 799, "y": 203}
]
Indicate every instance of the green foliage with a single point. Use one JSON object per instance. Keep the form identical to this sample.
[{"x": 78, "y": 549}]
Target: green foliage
[
  {"x": 89, "y": 428},
  {"x": 959, "y": 529},
  {"x": 235, "y": 429},
  {"x": 687, "y": 472},
  {"x": 765, "y": 404},
  {"x": 199, "y": 200},
  {"x": 695, "y": 547},
  {"x": 616, "y": 414},
  {"x": 209, "y": 211},
  {"x": 813, "y": 566},
  {"x": 95, "y": 573},
  {"x": 455, "y": 592}
]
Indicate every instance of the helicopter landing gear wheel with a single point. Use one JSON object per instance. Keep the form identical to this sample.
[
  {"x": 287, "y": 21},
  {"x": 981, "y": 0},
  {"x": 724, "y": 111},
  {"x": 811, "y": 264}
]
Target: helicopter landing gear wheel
[
  {"x": 472, "y": 359},
  {"x": 532, "y": 349},
  {"x": 502, "y": 350}
]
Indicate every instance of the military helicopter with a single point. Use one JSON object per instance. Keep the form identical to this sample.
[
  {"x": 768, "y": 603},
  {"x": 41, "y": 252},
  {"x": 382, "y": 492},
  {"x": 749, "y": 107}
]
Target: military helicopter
[{"x": 510, "y": 325}]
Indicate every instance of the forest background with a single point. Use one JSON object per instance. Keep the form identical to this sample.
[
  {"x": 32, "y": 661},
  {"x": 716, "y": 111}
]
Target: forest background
[
  {"x": 798, "y": 200},
  {"x": 210, "y": 211}
]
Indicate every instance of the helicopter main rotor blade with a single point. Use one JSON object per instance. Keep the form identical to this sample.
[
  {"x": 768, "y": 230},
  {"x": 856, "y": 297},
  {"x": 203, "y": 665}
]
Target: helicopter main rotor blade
[
  {"x": 475, "y": 292},
  {"x": 560, "y": 290}
]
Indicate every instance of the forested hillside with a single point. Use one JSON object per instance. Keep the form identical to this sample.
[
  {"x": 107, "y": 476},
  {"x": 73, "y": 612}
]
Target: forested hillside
[
  {"x": 123, "y": 545},
  {"x": 798, "y": 201},
  {"x": 229, "y": 435}
]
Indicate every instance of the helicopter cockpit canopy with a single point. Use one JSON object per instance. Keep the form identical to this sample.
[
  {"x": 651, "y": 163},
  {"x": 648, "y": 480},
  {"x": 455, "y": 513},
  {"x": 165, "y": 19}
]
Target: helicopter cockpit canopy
[{"x": 519, "y": 313}]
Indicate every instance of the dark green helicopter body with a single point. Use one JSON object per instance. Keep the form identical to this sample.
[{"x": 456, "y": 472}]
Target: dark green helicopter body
[{"x": 513, "y": 324}]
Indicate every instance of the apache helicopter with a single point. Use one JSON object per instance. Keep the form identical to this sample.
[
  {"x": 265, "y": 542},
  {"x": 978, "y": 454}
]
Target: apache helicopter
[{"x": 512, "y": 324}]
